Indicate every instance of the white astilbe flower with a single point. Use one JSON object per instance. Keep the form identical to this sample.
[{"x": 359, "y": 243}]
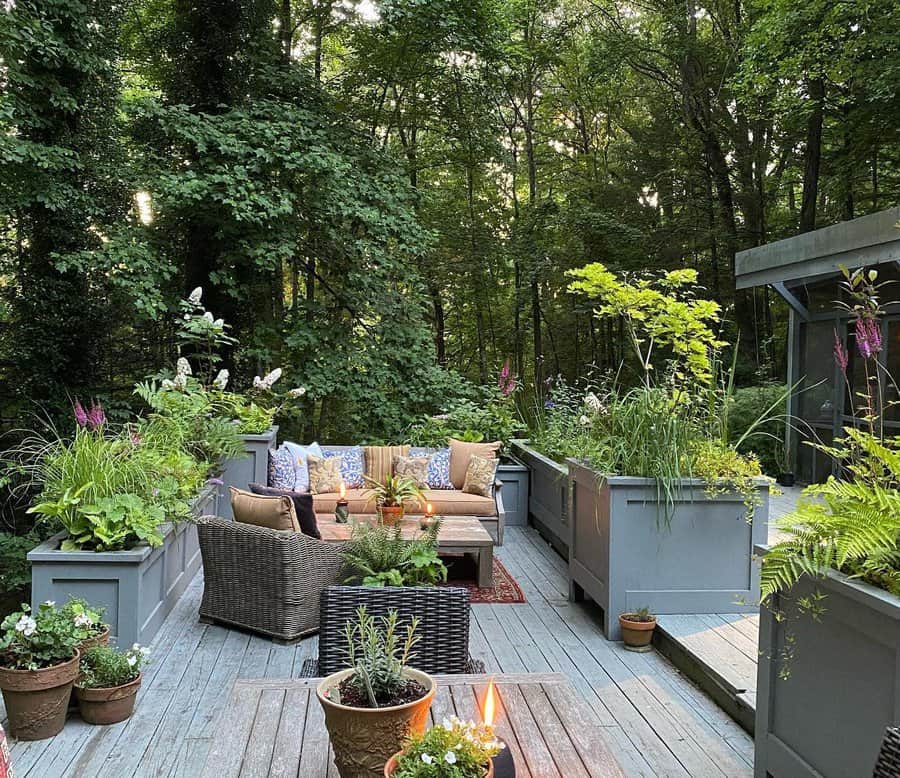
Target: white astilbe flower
[
  {"x": 266, "y": 382},
  {"x": 196, "y": 295},
  {"x": 209, "y": 317},
  {"x": 593, "y": 402},
  {"x": 180, "y": 382},
  {"x": 220, "y": 323},
  {"x": 168, "y": 384},
  {"x": 27, "y": 626},
  {"x": 221, "y": 379},
  {"x": 298, "y": 391},
  {"x": 183, "y": 367}
]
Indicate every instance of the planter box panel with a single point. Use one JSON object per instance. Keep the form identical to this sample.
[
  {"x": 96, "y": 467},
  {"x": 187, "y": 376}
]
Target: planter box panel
[
  {"x": 842, "y": 678},
  {"x": 548, "y": 500},
  {"x": 625, "y": 555},
  {"x": 252, "y": 468},
  {"x": 514, "y": 477}
]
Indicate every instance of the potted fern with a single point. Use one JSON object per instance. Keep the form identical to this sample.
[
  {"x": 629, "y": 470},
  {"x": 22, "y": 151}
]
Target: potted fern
[
  {"x": 374, "y": 705},
  {"x": 829, "y": 639}
]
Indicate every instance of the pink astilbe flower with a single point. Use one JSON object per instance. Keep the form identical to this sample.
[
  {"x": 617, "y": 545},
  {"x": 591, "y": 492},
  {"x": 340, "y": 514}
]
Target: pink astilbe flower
[
  {"x": 840, "y": 353},
  {"x": 507, "y": 380},
  {"x": 96, "y": 416},
  {"x": 80, "y": 414},
  {"x": 868, "y": 337}
]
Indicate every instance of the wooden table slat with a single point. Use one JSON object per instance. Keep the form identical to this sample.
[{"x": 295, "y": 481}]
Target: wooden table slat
[
  {"x": 286, "y": 755},
  {"x": 227, "y": 751}
]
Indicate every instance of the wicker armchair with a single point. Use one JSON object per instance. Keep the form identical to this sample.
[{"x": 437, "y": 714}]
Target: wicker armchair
[
  {"x": 264, "y": 580},
  {"x": 888, "y": 764},
  {"x": 443, "y": 623}
]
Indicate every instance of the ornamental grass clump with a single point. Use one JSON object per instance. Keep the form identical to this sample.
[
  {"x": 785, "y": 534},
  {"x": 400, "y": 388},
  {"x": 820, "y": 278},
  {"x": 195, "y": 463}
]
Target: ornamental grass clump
[
  {"x": 451, "y": 749},
  {"x": 378, "y": 655}
]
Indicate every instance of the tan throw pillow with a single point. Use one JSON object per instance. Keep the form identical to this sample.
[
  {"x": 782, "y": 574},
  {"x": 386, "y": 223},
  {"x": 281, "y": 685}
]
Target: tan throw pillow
[
  {"x": 324, "y": 474},
  {"x": 380, "y": 460},
  {"x": 272, "y": 512},
  {"x": 461, "y": 452},
  {"x": 480, "y": 476},
  {"x": 415, "y": 468}
]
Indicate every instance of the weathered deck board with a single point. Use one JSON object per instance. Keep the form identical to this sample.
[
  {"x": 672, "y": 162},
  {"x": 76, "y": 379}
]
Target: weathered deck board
[{"x": 657, "y": 722}]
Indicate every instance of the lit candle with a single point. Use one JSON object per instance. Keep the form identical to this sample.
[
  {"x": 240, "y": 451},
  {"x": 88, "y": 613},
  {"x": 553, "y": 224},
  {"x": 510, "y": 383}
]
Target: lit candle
[
  {"x": 427, "y": 519},
  {"x": 342, "y": 507},
  {"x": 504, "y": 766},
  {"x": 429, "y": 509}
]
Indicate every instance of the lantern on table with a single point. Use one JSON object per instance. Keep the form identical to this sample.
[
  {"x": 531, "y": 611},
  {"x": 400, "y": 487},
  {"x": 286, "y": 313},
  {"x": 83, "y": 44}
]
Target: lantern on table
[{"x": 342, "y": 506}]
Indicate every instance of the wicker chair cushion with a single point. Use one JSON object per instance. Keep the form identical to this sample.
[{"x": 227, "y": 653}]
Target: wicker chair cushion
[
  {"x": 380, "y": 460},
  {"x": 303, "y": 507},
  {"x": 460, "y": 454},
  {"x": 270, "y": 512}
]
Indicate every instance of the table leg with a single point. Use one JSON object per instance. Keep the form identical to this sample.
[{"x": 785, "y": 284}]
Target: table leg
[{"x": 486, "y": 567}]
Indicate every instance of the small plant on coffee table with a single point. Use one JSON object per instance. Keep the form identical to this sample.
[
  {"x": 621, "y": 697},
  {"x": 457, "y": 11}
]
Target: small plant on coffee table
[
  {"x": 392, "y": 495},
  {"x": 378, "y": 655}
]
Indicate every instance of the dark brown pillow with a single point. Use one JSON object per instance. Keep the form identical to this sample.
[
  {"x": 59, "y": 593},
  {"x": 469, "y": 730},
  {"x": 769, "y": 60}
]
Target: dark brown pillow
[
  {"x": 272, "y": 512},
  {"x": 303, "y": 507}
]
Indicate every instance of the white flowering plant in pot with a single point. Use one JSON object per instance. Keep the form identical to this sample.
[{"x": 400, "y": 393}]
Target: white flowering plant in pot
[
  {"x": 451, "y": 749},
  {"x": 35, "y": 640}
]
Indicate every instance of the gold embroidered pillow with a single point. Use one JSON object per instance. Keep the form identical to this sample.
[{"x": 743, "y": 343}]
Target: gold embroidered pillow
[
  {"x": 480, "y": 476},
  {"x": 324, "y": 474},
  {"x": 415, "y": 468}
]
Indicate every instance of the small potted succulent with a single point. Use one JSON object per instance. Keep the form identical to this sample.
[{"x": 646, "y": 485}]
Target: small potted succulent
[
  {"x": 373, "y": 706},
  {"x": 392, "y": 494},
  {"x": 637, "y": 629},
  {"x": 109, "y": 683},
  {"x": 451, "y": 749},
  {"x": 38, "y": 665}
]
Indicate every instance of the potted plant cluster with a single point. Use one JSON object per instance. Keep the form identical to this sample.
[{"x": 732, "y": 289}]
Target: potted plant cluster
[
  {"x": 108, "y": 683},
  {"x": 392, "y": 495},
  {"x": 637, "y": 629},
  {"x": 38, "y": 665},
  {"x": 87, "y": 621},
  {"x": 829, "y": 638},
  {"x": 664, "y": 509},
  {"x": 374, "y": 705},
  {"x": 451, "y": 749}
]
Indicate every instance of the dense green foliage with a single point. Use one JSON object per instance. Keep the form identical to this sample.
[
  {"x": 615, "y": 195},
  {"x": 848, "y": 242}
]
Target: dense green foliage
[
  {"x": 451, "y": 749},
  {"x": 103, "y": 667},
  {"x": 380, "y": 556},
  {"x": 34, "y": 640}
]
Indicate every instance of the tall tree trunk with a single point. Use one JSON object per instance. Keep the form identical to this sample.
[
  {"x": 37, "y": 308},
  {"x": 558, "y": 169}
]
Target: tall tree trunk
[{"x": 813, "y": 155}]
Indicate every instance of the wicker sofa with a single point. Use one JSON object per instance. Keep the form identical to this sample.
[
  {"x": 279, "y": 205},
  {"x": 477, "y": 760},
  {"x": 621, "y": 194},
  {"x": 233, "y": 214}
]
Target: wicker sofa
[
  {"x": 264, "y": 580},
  {"x": 446, "y": 502}
]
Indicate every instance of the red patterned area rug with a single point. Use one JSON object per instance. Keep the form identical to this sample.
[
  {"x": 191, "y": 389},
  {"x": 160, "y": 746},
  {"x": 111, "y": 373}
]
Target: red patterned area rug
[{"x": 461, "y": 572}]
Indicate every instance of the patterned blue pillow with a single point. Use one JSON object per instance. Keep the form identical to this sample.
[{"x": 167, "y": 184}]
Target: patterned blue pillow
[
  {"x": 353, "y": 465},
  {"x": 281, "y": 469},
  {"x": 438, "y": 476}
]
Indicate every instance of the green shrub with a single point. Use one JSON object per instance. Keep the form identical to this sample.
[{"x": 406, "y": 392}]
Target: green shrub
[
  {"x": 103, "y": 667},
  {"x": 379, "y": 556},
  {"x": 766, "y": 442}
]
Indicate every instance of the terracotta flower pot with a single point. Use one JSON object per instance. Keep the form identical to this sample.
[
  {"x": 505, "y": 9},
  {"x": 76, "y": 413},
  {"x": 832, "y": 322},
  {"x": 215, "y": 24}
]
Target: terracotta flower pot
[
  {"x": 36, "y": 700},
  {"x": 364, "y": 739},
  {"x": 391, "y": 766},
  {"x": 637, "y": 634},
  {"x": 98, "y": 640},
  {"x": 390, "y": 514},
  {"x": 107, "y": 706}
]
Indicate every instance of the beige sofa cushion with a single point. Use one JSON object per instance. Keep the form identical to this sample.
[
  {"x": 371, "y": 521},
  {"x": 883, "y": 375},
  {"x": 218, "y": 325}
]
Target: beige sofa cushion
[
  {"x": 380, "y": 460},
  {"x": 324, "y": 474},
  {"x": 414, "y": 468},
  {"x": 460, "y": 454},
  {"x": 272, "y": 512},
  {"x": 357, "y": 501},
  {"x": 446, "y": 502},
  {"x": 480, "y": 476}
]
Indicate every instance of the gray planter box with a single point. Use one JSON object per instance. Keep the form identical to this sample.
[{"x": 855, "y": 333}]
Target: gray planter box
[
  {"x": 828, "y": 716},
  {"x": 138, "y": 587},
  {"x": 251, "y": 468},
  {"x": 514, "y": 477},
  {"x": 548, "y": 499},
  {"x": 625, "y": 557}
]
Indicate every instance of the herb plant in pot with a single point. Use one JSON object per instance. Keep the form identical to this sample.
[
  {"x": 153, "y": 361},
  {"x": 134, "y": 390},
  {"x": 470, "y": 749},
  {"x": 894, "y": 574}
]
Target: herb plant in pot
[
  {"x": 451, "y": 749},
  {"x": 637, "y": 629},
  {"x": 109, "y": 683},
  {"x": 372, "y": 707},
  {"x": 391, "y": 496},
  {"x": 38, "y": 665}
]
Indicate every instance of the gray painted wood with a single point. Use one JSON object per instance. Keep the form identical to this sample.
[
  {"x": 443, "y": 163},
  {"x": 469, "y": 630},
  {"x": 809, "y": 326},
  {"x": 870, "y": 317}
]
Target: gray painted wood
[
  {"x": 514, "y": 476},
  {"x": 548, "y": 495},
  {"x": 242, "y": 471},
  {"x": 869, "y": 240},
  {"x": 655, "y": 721}
]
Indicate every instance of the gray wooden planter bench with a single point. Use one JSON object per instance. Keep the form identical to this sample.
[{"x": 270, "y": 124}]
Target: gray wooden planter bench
[
  {"x": 827, "y": 717},
  {"x": 253, "y": 467},
  {"x": 624, "y": 556},
  {"x": 548, "y": 495},
  {"x": 137, "y": 587}
]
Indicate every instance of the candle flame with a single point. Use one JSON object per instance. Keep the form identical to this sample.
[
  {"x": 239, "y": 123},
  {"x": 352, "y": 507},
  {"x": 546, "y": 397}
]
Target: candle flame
[
  {"x": 490, "y": 704},
  {"x": 429, "y": 509},
  {"x": 343, "y": 490}
]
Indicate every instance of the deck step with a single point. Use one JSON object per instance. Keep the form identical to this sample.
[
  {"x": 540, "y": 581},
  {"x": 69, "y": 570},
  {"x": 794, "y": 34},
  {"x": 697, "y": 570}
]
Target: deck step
[{"x": 718, "y": 651}]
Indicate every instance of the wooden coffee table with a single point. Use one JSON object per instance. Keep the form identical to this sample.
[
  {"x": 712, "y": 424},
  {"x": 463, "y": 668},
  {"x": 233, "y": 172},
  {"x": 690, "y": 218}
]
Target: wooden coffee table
[{"x": 458, "y": 535}]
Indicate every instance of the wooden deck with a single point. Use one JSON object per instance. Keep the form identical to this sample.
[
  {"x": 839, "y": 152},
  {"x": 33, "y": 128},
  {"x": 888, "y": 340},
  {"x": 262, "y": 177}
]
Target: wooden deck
[{"x": 656, "y": 721}]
